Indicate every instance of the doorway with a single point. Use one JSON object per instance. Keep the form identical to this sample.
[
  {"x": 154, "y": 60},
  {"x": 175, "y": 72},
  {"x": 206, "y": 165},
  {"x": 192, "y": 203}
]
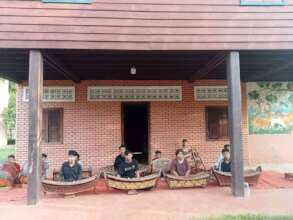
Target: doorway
[{"x": 135, "y": 129}]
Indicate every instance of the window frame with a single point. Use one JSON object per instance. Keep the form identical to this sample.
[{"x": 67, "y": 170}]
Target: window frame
[
  {"x": 268, "y": 3},
  {"x": 224, "y": 138},
  {"x": 45, "y": 126}
]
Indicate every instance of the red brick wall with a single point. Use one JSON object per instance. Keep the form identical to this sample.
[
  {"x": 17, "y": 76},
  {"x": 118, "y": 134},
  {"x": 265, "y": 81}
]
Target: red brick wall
[{"x": 94, "y": 128}]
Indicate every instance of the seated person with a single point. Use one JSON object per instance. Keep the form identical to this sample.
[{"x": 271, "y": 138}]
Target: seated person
[
  {"x": 71, "y": 170},
  {"x": 120, "y": 158},
  {"x": 221, "y": 157},
  {"x": 11, "y": 159},
  {"x": 23, "y": 177},
  {"x": 24, "y": 170},
  {"x": 45, "y": 166},
  {"x": 158, "y": 155},
  {"x": 78, "y": 159},
  {"x": 186, "y": 150},
  {"x": 180, "y": 166},
  {"x": 129, "y": 167},
  {"x": 226, "y": 163}
]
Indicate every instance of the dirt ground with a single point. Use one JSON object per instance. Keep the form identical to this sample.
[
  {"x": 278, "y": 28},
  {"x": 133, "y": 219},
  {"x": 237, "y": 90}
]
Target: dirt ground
[{"x": 152, "y": 205}]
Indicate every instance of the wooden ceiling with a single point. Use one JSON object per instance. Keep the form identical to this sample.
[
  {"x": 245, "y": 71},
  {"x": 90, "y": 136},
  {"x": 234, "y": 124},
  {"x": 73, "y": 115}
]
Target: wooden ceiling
[{"x": 150, "y": 65}]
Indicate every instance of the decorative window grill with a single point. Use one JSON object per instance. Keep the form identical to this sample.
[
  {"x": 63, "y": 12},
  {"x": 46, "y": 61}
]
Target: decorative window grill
[
  {"x": 263, "y": 2},
  {"x": 213, "y": 93},
  {"x": 54, "y": 94},
  {"x": 135, "y": 93},
  {"x": 68, "y": 1}
]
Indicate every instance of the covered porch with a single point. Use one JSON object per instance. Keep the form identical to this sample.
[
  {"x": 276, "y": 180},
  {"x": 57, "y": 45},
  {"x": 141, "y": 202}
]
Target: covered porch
[{"x": 85, "y": 68}]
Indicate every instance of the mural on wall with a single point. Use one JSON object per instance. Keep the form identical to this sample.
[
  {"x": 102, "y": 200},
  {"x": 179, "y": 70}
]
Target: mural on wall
[{"x": 270, "y": 107}]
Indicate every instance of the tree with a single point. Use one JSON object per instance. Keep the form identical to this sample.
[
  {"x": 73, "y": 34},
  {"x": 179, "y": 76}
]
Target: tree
[{"x": 9, "y": 113}]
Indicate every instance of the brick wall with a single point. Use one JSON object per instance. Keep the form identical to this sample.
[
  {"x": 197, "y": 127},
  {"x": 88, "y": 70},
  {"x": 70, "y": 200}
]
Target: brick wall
[{"x": 94, "y": 128}]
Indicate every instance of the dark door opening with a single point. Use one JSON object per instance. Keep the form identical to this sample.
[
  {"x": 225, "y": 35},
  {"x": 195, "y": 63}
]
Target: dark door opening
[{"x": 136, "y": 129}]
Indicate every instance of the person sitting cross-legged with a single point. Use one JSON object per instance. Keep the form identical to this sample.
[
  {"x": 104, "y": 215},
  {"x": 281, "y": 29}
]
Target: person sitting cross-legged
[
  {"x": 129, "y": 167},
  {"x": 220, "y": 159},
  {"x": 226, "y": 163},
  {"x": 158, "y": 155},
  {"x": 180, "y": 166},
  {"x": 11, "y": 159},
  {"x": 71, "y": 169},
  {"x": 78, "y": 159},
  {"x": 120, "y": 158}
]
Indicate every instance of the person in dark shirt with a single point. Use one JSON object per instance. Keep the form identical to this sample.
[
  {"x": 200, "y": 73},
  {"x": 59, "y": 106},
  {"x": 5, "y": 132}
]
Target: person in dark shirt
[
  {"x": 226, "y": 163},
  {"x": 71, "y": 169},
  {"x": 120, "y": 158},
  {"x": 129, "y": 167}
]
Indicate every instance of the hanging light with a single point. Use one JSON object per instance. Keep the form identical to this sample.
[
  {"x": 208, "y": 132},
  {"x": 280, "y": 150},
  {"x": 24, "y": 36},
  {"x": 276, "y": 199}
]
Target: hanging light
[{"x": 133, "y": 70}]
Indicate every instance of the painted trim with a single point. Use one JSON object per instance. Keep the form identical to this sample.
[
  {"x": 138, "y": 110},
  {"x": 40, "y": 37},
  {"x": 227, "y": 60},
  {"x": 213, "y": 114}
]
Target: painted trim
[
  {"x": 68, "y": 1},
  {"x": 265, "y": 3}
]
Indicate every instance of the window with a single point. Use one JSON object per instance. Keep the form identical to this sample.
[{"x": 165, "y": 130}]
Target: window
[
  {"x": 217, "y": 123},
  {"x": 134, "y": 93},
  {"x": 208, "y": 93},
  {"x": 54, "y": 94},
  {"x": 263, "y": 2},
  {"x": 68, "y": 1},
  {"x": 53, "y": 125}
]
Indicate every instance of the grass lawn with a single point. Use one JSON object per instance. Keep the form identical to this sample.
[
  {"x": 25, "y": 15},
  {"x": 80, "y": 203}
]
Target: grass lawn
[
  {"x": 5, "y": 151},
  {"x": 246, "y": 217}
]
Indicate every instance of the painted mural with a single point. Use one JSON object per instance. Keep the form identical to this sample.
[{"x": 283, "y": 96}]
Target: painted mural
[{"x": 270, "y": 107}]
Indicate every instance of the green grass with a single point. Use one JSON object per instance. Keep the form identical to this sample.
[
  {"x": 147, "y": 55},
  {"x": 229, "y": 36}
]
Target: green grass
[
  {"x": 246, "y": 217},
  {"x": 5, "y": 151}
]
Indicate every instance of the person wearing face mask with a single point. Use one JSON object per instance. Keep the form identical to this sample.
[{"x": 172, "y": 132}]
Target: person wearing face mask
[{"x": 71, "y": 169}]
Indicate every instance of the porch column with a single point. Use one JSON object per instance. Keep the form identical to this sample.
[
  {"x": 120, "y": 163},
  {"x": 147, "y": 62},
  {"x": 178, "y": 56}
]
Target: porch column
[
  {"x": 35, "y": 125},
  {"x": 235, "y": 111}
]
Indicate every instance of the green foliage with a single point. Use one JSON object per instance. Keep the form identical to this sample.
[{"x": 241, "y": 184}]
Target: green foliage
[
  {"x": 271, "y": 98},
  {"x": 290, "y": 86},
  {"x": 290, "y": 98},
  {"x": 264, "y": 84},
  {"x": 277, "y": 85},
  {"x": 261, "y": 84},
  {"x": 5, "y": 151},
  {"x": 253, "y": 95},
  {"x": 9, "y": 113}
]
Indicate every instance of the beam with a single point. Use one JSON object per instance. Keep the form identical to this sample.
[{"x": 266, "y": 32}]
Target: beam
[
  {"x": 235, "y": 111},
  {"x": 277, "y": 70},
  {"x": 217, "y": 60},
  {"x": 60, "y": 67},
  {"x": 35, "y": 125}
]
